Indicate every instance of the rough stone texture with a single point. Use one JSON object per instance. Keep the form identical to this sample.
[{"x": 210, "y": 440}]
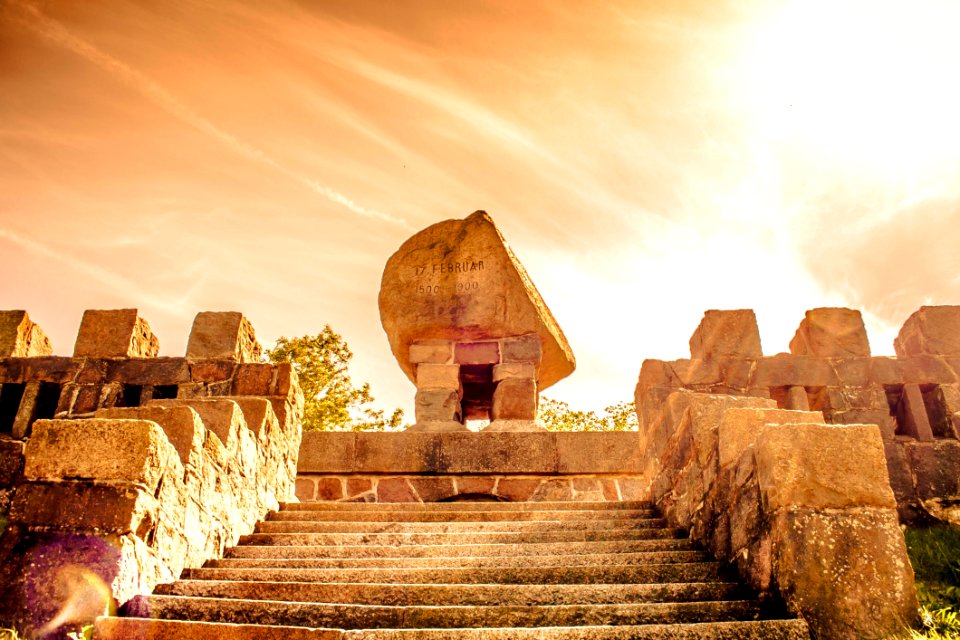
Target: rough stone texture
[
  {"x": 804, "y": 511},
  {"x": 914, "y": 398},
  {"x": 847, "y": 573},
  {"x": 118, "y": 333},
  {"x": 435, "y": 488},
  {"x": 458, "y": 280},
  {"x": 831, "y": 332},
  {"x": 182, "y": 426},
  {"x": 726, "y": 333},
  {"x": 431, "y": 351},
  {"x": 800, "y": 466},
  {"x": 20, "y": 337},
  {"x": 223, "y": 335},
  {"x": 437, "y": 405},
  {"x": 515, "y": 399},
  {"x": 438, "y": 376},
  {"x": 930, "y": 330},
  {"x": 134, "y": 451},
  {"x": 511, "y": 370},
  {"x": 139, "y": 492},
  {"x": 477, "y": 352}
]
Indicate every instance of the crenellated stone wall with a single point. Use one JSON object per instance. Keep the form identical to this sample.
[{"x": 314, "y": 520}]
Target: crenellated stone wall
[
  {"x": 914, "y": 397},
  {"x": 119, "y": 469},
  {"x": 803, "y": 509}
]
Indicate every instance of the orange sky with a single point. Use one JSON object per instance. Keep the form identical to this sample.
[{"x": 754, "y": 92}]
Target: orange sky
[{"x": 646, "y": 160}]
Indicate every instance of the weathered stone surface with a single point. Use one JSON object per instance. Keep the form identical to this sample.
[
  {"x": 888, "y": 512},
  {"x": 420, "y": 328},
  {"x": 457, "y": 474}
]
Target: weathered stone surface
[
  {"x": 223, "y": 335},
  {"x": 132, "y": 451},
  {"x": 182, "y": 425},
  {"x": 511, "y": 370},
  {"x": 613, "y": 452},
  {"x": 437, "y": 405},
  {"x": 822, "y": 467},
  {"x": 847, "y": 573},
  {"x": 726, "y": 333},
  {"x": 515, "y": 426},
  {"x": 116, "y": 333},
  {"x": 11, "y": 461},
  {"x": 515, "y": 399},
  {"x": 936, "y": 468},
  {"x": 831, "y": 332},
  {"x": 120, "y": 508},
  {"x": 487, "y": 452},
  {"x": 329, "y": 489},
  {"x": 405, "y": 452},
  {"x": 526, "y": 348},
  {"x": 477, "y": 352},
  {"x": 740, "y": 427},
  {"x": 438, "y": 376},
  {"x": 431, "y": 351},
  {"x": 434, "y": 489},
  {"x": 20, "y": 337},
  {"x": 327, "y": 452},
  {"x": 930, "y": 330},
  {"x": 458, "y": 280},
  {"x": 220, "y": 416},
  {"x": 395, "y": 490}
]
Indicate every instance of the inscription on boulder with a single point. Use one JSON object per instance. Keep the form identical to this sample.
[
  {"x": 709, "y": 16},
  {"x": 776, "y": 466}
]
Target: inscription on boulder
[
  {"x": 458, "y": 280},
  {"x": 455, "y": 296}
]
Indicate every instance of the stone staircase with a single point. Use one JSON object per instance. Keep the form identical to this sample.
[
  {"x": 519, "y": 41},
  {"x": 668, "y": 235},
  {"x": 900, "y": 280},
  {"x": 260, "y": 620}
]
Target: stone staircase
[{"x": 459, "y": 570}]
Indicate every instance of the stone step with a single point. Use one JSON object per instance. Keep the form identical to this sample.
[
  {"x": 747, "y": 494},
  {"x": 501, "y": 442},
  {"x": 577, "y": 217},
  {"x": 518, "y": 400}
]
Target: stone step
[
  {"x": 570, "y": 560},
  {"x": 464, "y": 506},
  {"x": 351, "y": 616},
  {"x": 528, "y": 549},
  {"x": 461, "y": 538},
  {"x": 460, "y": 516},
  {"x": 454, "y": 594},
  {"x": 617, "y": 574},
  {"x": 272, "y": 526},
  {"x": 110, "y": 628}
]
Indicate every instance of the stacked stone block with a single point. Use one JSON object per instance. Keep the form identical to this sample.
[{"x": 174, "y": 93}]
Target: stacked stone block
[
  {"x": 501, "y": 466},
  {"x": 803, "y": 509},
  {"x": 128, "y": 467},
  {"x": 476, "y": 380},
  {"x": 914, "y": 398}
]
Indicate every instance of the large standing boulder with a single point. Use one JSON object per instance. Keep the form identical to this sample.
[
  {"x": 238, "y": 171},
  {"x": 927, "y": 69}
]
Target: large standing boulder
[{"x": 459, "y": 281}]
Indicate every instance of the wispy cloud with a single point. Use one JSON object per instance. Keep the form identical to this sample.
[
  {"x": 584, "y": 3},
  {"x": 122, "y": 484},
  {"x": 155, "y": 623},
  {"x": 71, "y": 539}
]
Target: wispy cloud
[{"x": 56, "y": 33}]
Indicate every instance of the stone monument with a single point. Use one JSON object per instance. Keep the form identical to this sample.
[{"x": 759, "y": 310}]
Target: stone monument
[{"x": 469, "y": 328}]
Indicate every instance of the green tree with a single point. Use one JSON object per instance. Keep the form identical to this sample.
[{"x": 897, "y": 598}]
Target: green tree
[
  {"x": 331, "y": 401},
  {"x": 557, "y": 415}
]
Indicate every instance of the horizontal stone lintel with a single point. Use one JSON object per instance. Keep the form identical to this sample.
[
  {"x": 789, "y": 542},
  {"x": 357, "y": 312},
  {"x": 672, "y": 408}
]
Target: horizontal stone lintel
[{"x": 470, "y": 453}]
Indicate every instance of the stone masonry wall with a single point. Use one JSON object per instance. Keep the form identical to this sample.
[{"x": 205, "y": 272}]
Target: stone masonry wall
[
  {"x": 914, "y": 397},
  {"x": 803, "y": 509},
  {"x": 119, "y": 469},
  {"x": 433, "y": 467}
]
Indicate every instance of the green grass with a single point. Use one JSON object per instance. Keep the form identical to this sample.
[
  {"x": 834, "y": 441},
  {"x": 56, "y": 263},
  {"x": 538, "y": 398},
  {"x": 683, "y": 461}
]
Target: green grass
[{"x": 935, "y": 556}]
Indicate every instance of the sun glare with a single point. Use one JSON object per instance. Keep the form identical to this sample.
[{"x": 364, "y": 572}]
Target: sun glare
[{"x": 867, "y": 87}]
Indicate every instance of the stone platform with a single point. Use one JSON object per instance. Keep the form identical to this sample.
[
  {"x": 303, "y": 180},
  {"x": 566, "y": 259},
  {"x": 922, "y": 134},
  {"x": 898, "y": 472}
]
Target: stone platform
[{"x": 434, "y": 467}]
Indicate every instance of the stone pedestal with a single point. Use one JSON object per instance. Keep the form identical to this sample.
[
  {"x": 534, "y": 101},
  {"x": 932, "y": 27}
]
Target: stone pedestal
[{"x": 492, "y": 380}]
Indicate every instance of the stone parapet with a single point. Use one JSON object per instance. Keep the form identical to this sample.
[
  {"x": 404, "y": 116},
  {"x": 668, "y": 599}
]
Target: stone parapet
[
  {"x": 913, "y": 398},
  {"x": 135, "y": 495},
  {"x": 20, "y": 337},
  {"x": 803, "y": 509},
  {"x": 115, "y": 333},
  {"x": 223, "y": 335}
]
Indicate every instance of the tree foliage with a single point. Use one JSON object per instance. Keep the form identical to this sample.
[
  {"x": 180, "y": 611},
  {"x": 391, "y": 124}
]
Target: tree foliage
[
  {"x": 558, "y": 416},
  {"x": 331, "y": 401}
]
